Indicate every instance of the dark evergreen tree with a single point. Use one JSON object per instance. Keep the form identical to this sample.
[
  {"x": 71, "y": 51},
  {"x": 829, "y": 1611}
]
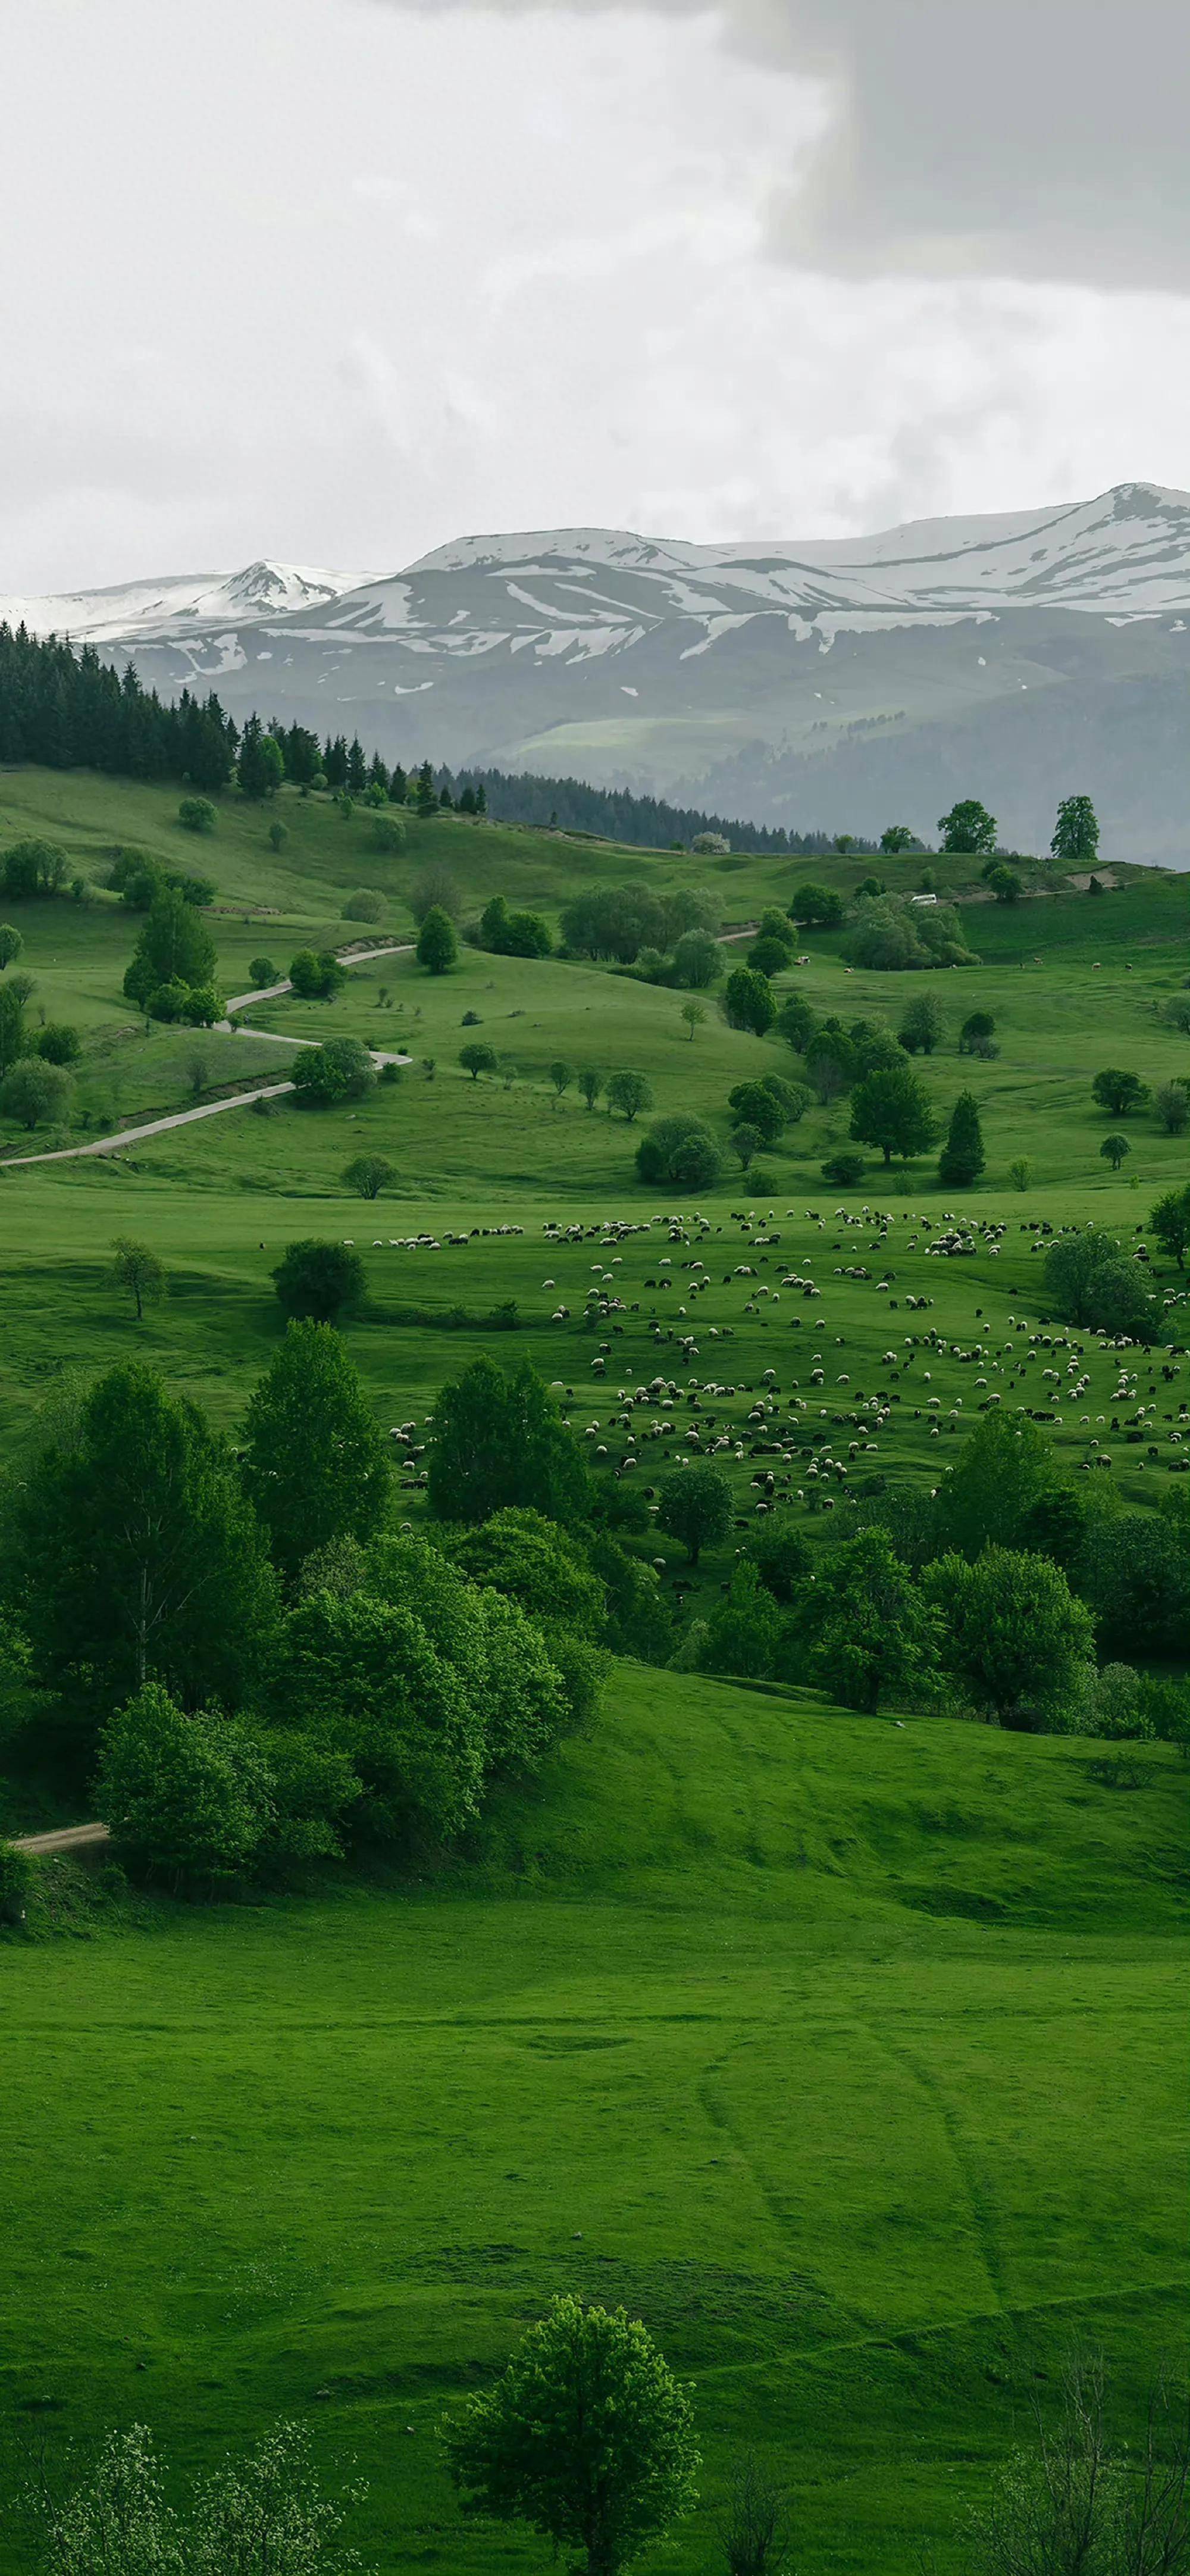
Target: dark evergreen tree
[
  {"x": 357, "y": 768},
  {"x": 334, "y": 762},
  {"x": 962, "y": 1157}
]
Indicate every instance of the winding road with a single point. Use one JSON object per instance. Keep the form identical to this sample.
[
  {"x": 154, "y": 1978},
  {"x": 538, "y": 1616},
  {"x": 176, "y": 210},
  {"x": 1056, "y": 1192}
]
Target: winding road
[{"x": 240, "y": 1099}]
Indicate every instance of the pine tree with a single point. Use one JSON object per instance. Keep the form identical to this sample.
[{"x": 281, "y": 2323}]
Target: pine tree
[
  {"x": 962, "y": 1157},
  {"x": 357, "y": 768}
]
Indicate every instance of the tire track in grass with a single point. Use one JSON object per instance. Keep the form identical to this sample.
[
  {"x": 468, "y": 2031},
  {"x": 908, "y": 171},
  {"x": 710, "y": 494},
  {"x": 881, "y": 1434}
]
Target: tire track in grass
[{"x": 962, "y": 2155}]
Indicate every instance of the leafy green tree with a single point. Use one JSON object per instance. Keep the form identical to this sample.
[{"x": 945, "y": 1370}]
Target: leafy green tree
[
  {"x": 1020, "y": 1172},
  {"x": 782, "y": 1557},
  {"x": 476, "y": 1058},
  {"x": 590, "y": 1084},
  {"x": 816, "y": 907},
  {"x": 533, "y": 1561},
  {"x": 681, "y": 1151},
  {"x": 1004, "y": 882},
  {"x": 437, "y": 944},
  {"x": 499, "y": 1440},
  {"x": 892, "y": 1110},
  {"x": 586, "y": 2435},
  {"x": 968, "y": 830},
  {"x": 115, "y": 2516},
  {"x": 1171, "y": 1101},
  {"x": 316, "y": 1282},
  {"x": 360, "y": 1677},
  {"x": 1090, "y": 1282},
  {"x": 756, "y": 1102},
  {"x": 267, "y": 2515},
  {"x": 875, "y": 1636},
  {"x": 135, "y": 1555},
  {"x": 14, "y": 994},
  {"x": 769, "y": 957},
  {"x": 962, "y": 1157},
  {"x": 1076, "y": 833},
  {"x": 316, "y": 1464},
  {"x": 748, "y": 1001},
  {"x": 874, "y": 1049},
  {"x": 698, "y": 960},
  {"x": 561, "y": 1076},
  {"x": 886, "y": 937},
  {"x": 262, "y": 972},
  {"x": 139, "y": 1272},
  {"x": 1013, "y": 1635},
  {"x": 796, "y": 1023},
  {"x": 11, "y": 945},
  {"x": 897, "y": 839},
  {"x": 435, "y": 890},
  {"x": 174, "y": 947},
  {"x": 1119, "y": 1092},
  {"x": 792, "y": 1098},
  {"x": 745, "y": 1142},
  {"x": 693, "y": 1013},
  {"x": 1005, "y": 1469},
  {"x": 1133, "y": 1572},
  {"x": 1113, "y": 1150},
  {"x": 325, "y": 1076},
  {"x": 923, "y": 1026},
  {"x": 369, "y": 1174},
  {"x": 628, "y": 1092},
  {"x": 1169, "y": 1221},
  {"x": 844, "y": 1170},
  {"x": 35, "y": 868},
  {"x": 260, "y": 766},
  {"x": 185, "y": 1798},
  {"x": 695, "y": 1507},
  {"x": 317, "y": 977},
  {"x": 744, "y": 1628},
  {"x": 35, "y": 1093}
]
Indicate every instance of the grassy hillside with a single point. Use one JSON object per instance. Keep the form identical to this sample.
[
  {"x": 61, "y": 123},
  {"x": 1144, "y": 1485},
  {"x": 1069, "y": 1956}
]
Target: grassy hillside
[
  {"x": 842, "y": 2052},
  {"x": 839, "y": 2050}
]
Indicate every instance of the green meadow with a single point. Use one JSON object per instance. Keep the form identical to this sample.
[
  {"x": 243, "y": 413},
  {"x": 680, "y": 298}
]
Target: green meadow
[{"x": 847, "y": 2053}]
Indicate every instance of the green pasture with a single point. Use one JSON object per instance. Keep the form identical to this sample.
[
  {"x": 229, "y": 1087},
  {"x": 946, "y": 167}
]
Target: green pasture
[
  {"x": 842, "y": 2051},
  {"x": 844, "y": 2054}
]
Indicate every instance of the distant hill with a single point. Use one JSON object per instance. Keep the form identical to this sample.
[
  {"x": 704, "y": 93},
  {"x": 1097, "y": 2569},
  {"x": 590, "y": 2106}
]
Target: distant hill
[{"x": 831, "y": 685}]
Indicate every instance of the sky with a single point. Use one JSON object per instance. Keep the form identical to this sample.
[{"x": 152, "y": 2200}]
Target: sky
[{"x": 334, "y": 281}]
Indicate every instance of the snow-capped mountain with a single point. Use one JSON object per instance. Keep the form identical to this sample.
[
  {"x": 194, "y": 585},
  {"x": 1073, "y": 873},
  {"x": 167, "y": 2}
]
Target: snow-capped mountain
[
  {"x": 843, "y": 682},
  {"x": 178, "y": 604}
]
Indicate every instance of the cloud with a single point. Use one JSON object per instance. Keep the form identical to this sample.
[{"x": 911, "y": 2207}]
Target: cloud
[{"x": 1036, "y": 139}]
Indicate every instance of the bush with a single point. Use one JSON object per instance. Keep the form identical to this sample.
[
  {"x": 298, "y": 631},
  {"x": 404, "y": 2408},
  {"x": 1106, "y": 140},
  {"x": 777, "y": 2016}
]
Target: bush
[
  {"x": 317, "y": 1281},
  {"x": 388, "y": 834},
  {"x": 35, "y": 1093},
  {"x": 16, "y": 1882},
  {"x": 364, "y": 906},
  {"x": 680, "y": 1151},
  {"x": 197, "y": 814},
  {"x": 845, "y": 1170},
  {"x": 58, "y": 1043},
  {"x": 326, "y": 1075}
]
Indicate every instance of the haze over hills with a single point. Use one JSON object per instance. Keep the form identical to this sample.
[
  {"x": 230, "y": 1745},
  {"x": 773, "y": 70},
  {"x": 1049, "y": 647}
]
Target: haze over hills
[{"x": 843, "y": 683}]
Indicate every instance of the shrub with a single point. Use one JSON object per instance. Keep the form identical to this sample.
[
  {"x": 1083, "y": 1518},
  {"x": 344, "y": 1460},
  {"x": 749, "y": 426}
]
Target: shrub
[
  {"x": 366, "y": 905},
  {"x": 845, "y": 1170},
  {"x": 317, "y": 1281},
  {"x": 680, "y": 1151},
  {"x": 58, "y": 1043},
  {"x": 976, "y": 1034},
  {"x": 388, "y": 834},
  {"x": 197, "y": 814}
]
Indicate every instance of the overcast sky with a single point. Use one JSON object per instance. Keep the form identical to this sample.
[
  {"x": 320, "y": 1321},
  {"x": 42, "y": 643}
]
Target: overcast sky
[{"x": 337, "y": 280}]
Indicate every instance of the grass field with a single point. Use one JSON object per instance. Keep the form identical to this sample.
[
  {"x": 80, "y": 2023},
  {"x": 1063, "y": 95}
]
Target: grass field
[
  {"x": 843, "y": 2053},
  {"x": 891, "y": 2019}
]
